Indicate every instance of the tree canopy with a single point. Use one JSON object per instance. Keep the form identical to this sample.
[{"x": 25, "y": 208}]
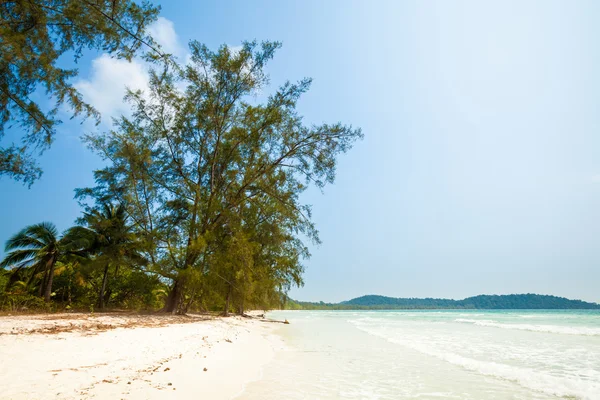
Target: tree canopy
[
  {"x": 34, "y": 35},
  {"x": 212, "y": 178},
  {"x": 199, "y": 203},
  {"x": 34, "y": 252}
]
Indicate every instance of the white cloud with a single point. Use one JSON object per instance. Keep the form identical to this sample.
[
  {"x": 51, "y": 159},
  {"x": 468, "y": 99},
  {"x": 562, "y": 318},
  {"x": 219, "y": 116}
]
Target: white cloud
[
  {"x": 109, "y": 78},
  {"x": 163, "y": 31},
  {"x": 107, "y": 84}
]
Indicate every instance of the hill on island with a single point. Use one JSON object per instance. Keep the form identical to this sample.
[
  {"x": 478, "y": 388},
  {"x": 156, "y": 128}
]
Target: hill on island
[{"x": 489, "y": 302}]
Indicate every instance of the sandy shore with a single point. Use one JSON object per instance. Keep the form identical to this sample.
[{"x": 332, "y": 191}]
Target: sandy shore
[{"x": 80, "y": 356}]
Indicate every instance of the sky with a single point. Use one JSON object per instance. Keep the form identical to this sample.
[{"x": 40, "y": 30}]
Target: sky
[{"x": 479, "y": 172}]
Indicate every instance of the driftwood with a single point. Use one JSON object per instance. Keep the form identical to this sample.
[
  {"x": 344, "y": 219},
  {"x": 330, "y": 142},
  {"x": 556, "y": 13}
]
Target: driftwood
[
  {"x": 275, "y": 321},
  {"x": 261, "y": 317}
]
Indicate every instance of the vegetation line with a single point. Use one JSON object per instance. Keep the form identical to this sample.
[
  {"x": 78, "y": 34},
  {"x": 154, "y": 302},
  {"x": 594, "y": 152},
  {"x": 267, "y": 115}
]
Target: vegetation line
[{"x": 486, "y": 302}]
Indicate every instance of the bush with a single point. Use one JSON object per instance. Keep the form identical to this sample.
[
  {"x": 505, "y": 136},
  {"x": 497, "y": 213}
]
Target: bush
[{"x": 13, "y": 302}]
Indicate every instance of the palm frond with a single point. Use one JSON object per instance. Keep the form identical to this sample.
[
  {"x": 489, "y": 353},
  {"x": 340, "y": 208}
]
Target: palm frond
[
  {"x": 17, "y": 257},
  {"x": 21, "y": 240},
  {"x": 35, "y": 236},
  {"x": 78, "y": 238},
  {"x": 46, "y": 231}
]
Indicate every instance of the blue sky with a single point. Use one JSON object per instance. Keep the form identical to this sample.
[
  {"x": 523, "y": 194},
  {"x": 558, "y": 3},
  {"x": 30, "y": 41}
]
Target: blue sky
[{"x": 480, "y": 167}]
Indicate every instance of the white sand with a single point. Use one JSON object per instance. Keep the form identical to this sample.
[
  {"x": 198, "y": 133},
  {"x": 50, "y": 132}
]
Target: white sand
[{"x": 144, "y": 357}]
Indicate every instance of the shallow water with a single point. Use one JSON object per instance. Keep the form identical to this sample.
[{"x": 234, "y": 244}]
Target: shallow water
[{"x": 517, "y": 354}]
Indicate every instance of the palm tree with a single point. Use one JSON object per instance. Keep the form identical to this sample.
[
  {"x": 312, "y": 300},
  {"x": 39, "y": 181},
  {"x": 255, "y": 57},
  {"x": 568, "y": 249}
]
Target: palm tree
[
  {"x": 112, "y": 241},
  {"x": 35, "y": 250}
]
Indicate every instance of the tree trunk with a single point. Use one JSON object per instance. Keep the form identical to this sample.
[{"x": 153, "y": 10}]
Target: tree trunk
[
  {"x": 108, "y": 291},
  {"x": 103, "y": 288},
  {"x": 48, "y": 292},
  {"x": 226, "y": 311},
  {"x": 69, "y": 293},
  {"x": 189, "y": 303},
  {"x": 43, "y": 283},
  {"x": 175, "y": 296},
  {"x": 241, "y": 307},
  {"x": 107, "y": 295}
]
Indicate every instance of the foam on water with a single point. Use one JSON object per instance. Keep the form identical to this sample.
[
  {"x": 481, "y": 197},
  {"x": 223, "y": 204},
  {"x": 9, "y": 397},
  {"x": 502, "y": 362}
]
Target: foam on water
[
  {"x": 565, "y": 330},
  {"x": 441, "y": 354},
  {"x": 539, "y": 381}
]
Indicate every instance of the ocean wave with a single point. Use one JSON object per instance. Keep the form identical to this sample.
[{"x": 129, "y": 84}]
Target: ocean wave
[
  {"x": 567, "y": 387},
  {"x": 556, "y": 316},
  {"x": 564, "y": 330}
]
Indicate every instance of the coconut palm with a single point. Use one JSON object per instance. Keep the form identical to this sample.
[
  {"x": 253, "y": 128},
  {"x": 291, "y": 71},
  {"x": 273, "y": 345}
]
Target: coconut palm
[
  {"x": 112, "y": 241},
  {"x": 33, "y": 253}
]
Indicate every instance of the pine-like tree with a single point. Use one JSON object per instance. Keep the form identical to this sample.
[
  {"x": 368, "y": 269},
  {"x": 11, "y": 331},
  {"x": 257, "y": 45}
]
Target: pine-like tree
[{"x": 34, "y": 34}]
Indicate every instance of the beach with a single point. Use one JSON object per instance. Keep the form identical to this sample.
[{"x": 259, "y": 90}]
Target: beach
[
  {"x": 114, "y": 356},
  {"x": 385, "y": 355}
]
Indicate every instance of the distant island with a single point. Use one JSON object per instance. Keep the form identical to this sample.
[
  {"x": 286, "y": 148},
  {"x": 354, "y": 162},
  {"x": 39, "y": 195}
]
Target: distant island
[{"x": 488, "y": 302}]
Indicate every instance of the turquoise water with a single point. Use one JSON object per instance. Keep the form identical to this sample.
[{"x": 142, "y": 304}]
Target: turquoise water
[{"x": 517, "y": 354}]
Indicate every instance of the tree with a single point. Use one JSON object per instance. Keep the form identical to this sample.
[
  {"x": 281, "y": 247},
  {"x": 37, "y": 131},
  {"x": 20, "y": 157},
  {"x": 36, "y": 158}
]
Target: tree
[
  {"x": 260, "y": 256},
  {"x": 111, "y": 242},
  {"x": 35, "y": 250},
  {"x": 34, "y": 34},
  {"x": 198, "y": 162}
]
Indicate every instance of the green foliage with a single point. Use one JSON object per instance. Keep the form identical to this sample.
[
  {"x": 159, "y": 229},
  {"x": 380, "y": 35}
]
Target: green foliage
[
  {"x": 33, "y": 254},
  {"x": 493, "y": 302},
  {"x": 76, "y": 287},
  {"x": 111, "y": 243},
  {"x": 212, "y": 181},
  {"x": 33, "y": 36},
  {"x": 20, "y": 302},
  {"x": 199, "y": 205},
  {"x": 136, "y": 290}
]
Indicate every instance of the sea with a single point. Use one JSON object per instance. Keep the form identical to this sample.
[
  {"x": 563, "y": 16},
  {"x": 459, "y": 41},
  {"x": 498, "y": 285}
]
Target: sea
[{"x": 441, "y": 354}]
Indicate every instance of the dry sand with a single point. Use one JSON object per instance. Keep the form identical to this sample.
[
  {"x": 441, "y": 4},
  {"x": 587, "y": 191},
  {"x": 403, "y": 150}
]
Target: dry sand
[{"x": 103, "y": 356}]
